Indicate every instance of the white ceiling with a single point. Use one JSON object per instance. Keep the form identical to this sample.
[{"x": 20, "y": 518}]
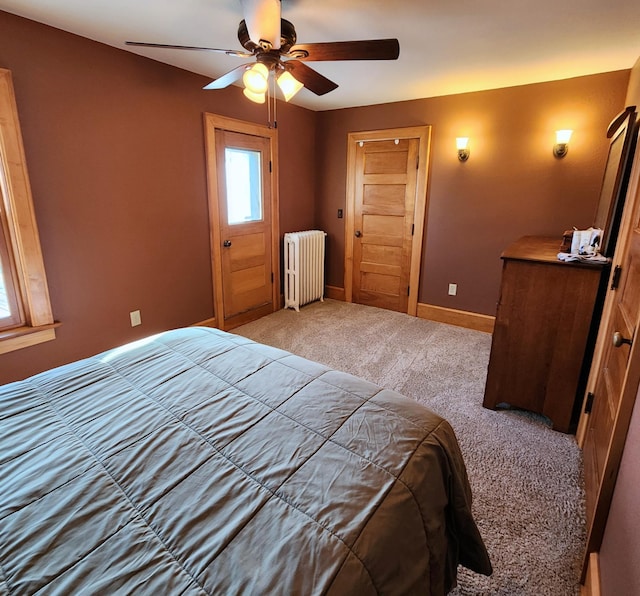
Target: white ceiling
[{"x": 446, "y": 46}]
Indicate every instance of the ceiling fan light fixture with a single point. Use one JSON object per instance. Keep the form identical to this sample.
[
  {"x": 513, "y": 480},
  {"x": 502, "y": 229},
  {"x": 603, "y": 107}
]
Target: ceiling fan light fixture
[
  {"x": 288, "y": 84},
  {"x": 256, "y": 78},
  {"x": 255, "y": 97},
  {"x": 272, "y": 42}
]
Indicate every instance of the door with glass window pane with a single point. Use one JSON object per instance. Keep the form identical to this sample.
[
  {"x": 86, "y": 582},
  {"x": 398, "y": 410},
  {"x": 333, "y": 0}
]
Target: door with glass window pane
[{"x": 244, "y": 192}]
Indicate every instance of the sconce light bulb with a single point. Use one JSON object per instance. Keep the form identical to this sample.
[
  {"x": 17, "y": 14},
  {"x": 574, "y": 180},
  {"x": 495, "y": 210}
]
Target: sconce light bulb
[{"x": 563, "y": 136}]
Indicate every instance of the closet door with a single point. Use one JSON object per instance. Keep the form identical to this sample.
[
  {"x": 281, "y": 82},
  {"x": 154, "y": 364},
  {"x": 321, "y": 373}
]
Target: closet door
[{"x": 386, "y": 207}]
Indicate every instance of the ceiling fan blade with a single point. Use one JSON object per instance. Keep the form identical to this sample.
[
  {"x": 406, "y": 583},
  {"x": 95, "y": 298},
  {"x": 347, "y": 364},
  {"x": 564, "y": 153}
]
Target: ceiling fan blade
[
  {"x": 227, "y": 79},
  {"x": 310, "y": 78},
  {"x": 143, "y": 44},
  {"x": 369, "y": 49},
  {"x": 263, "y": 20}
]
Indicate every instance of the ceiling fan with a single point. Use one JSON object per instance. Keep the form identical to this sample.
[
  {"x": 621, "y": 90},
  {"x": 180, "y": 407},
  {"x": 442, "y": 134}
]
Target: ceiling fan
[{"x": 271, "y": 41}]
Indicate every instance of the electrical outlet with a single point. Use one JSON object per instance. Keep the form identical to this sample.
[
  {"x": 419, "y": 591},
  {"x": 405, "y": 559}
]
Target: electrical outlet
[
  {"x": 453, "y": 289},
  {"x": 135, "y": 318}
]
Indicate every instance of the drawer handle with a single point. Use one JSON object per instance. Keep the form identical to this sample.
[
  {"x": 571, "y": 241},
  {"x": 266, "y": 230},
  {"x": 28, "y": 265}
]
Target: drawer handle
[{"x": 618, "y": 340}]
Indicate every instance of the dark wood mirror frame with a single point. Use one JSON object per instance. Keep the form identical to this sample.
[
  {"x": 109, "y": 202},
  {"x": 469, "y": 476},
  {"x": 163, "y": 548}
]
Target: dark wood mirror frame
[{"x": 622, "y": 133}]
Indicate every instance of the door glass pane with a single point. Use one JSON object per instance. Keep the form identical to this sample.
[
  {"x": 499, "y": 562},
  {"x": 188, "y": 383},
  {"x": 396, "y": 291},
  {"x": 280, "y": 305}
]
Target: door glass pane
[{"x": 244, "y": 189}]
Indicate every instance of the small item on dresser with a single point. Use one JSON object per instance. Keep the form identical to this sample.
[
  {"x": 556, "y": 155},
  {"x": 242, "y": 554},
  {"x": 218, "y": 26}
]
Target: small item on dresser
[
  {"x": 567, "y": 237},
  {"x": 578, "y": 258},
  {"x": 586, "y": 242},
  {"x": 585, "y": 247}
]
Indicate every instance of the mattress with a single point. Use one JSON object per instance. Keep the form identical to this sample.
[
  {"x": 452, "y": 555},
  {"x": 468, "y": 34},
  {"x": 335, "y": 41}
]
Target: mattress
[{"x": 200, "y": 462}]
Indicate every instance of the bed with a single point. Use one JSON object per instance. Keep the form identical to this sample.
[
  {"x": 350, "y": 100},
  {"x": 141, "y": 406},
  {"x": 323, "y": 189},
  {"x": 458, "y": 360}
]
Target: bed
[{"x": 200, "y": 462}]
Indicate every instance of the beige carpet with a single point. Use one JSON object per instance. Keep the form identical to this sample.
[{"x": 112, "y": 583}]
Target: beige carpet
[{"x": 526, "y": 479}]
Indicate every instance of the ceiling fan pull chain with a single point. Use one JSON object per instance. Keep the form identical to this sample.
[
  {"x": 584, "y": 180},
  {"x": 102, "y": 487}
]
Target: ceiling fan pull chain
[
  {"x": 275, "y": 102},
  {"x": 269, "y": 102}
]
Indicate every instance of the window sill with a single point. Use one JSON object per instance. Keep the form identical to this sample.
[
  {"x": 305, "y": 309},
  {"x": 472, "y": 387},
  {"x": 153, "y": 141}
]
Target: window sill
[{"x": 23, "y": 337}]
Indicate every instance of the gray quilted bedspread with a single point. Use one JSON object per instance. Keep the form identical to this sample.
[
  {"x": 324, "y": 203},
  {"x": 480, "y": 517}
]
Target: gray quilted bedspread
[{"x": 200, "y": 462}]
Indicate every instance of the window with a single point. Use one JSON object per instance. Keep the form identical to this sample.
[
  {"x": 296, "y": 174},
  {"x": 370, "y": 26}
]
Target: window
[
  {"x": 25, "y": 311},
  {"x": 11, "y": 314},
  {"x": 244, "y": 192}
]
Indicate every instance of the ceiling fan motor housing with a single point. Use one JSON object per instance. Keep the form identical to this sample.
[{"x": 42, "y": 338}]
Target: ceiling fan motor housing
[{"x": 288, "y": 38}]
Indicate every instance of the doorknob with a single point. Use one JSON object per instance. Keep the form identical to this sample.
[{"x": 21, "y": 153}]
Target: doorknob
[
  {"x": 226, "y": 243},
  {"x": 358, "y": 233},
  {"x": 618, "y": 340}
]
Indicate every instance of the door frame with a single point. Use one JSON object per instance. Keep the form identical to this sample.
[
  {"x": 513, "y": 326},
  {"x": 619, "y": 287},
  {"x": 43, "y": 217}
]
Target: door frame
[
  {"x": 211, "y": 123},
  {"x": 423, "y": 134}
]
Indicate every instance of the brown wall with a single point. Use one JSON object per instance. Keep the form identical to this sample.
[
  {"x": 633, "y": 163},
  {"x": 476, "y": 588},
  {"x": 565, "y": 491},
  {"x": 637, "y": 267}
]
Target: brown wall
[
  {"x": 114, "y": 146},
  {"x": 115, "y": 152},
  {"x": 510, "y": 186},
  {"x": 620, "y": 552}
]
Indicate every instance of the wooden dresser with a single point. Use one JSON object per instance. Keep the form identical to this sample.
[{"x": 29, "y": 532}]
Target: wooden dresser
[{"x": 542, "y": 330}]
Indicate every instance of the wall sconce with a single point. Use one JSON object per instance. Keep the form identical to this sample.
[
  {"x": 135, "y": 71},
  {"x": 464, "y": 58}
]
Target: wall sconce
[
  {"x": 462, "y": 144},
  {"x": 561, "y": 148}
]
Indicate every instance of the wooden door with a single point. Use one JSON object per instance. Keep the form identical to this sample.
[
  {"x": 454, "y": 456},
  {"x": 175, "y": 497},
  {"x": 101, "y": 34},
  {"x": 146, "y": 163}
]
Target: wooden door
[
  {"x": 245, "y": 225},
  {"x": 616, "y": 382},
  {"x": 385, "y": 195},
  {"x": 243, "y": 212}
]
